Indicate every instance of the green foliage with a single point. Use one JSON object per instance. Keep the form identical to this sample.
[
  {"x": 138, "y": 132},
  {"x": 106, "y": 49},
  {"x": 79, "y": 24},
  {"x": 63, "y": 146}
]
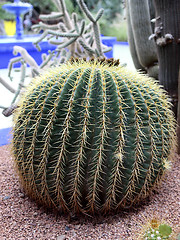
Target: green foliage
[
  {"x": 90, "y": 137},
  {"x": 111, "y": 23},
  {"x": 71, "y": 8},
  {"x": 163, "y": 232},
  {"x": 46, "y": 6},
  {"x": 4, "y": 14},
  {"x": 91, "y": 4},
  {"x": 117, "y": 29},
  {"x": 111, "y": 8},
  {"x": 112, "y": 11},
  {"x": 156, "y": 230}
]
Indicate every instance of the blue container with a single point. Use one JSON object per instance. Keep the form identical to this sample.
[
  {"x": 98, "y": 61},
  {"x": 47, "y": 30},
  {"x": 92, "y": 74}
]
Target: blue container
[
  {"x": 109, "y": 41},
  {"x": 7, "y": 44},
  {"x": 5, "y": 136}
]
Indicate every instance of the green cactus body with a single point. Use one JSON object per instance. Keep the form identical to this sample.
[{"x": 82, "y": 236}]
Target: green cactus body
[
  {"x": 92, "y": 138},
  {"x": 140, "y": 28}
]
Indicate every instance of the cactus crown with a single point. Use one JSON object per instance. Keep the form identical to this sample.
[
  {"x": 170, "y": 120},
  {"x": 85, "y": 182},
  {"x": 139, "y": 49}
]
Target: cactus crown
[
  {"x": 103, "y": 61},
  {"x": 92, "y": 137}
]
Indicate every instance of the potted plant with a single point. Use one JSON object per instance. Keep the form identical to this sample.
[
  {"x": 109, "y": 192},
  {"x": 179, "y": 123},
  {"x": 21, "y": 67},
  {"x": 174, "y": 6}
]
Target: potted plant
[{"x": 7, "y": 22}]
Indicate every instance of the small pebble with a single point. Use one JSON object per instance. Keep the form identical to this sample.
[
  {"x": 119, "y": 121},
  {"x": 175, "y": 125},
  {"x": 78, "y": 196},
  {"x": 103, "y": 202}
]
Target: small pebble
[
  {"x": 22, "y": 195},
  {"x": 67, "y": 228},
  {"x": 61, "y": 237},
  {"x": 77, "y": 226},
  {"x": 6, "y": 197}
]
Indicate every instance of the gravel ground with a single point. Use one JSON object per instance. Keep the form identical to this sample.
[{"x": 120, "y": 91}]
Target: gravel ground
[{"x": 22, "y": 219}]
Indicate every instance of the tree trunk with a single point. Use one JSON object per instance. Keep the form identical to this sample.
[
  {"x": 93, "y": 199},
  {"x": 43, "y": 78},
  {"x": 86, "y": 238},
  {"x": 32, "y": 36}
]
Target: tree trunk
[{"x": 167, "y": 38}]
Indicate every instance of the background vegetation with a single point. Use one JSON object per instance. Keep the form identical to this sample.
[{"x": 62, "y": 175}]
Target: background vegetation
[
  {"x": 112, "y": 23},
  {"x": 3, "y": 14}
]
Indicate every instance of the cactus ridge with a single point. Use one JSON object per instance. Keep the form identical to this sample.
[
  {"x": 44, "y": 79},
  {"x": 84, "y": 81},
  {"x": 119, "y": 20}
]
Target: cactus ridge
[{"x": 89, "y": 137}]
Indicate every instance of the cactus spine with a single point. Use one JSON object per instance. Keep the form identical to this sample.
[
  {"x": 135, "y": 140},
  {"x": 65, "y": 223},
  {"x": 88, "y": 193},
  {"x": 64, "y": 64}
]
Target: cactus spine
[{"x": 89, "y": 137}]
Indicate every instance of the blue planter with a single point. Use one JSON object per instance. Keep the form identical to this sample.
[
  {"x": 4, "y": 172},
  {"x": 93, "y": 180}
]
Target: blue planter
[
  {"x": 5, "y": 136},
  {"x": 6, "y": 48},
  {"x": 7, "y": 44},
  {"x": 109, "y": 41}
]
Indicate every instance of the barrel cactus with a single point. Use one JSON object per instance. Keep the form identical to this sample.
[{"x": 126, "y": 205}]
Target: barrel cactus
[{"x": 91, "y": 136}]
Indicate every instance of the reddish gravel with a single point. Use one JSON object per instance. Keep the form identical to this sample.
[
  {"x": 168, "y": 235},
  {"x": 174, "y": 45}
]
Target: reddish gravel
[{"x": 22, "y": 219}]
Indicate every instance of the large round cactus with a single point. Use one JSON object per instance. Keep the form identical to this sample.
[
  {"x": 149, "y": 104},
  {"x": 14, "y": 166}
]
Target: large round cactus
[{"x": 89, "y": 137}]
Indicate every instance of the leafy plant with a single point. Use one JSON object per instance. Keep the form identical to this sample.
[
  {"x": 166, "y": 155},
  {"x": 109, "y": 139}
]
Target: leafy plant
[
  {"x": 163, "y": 232},
  {"x": 156, "y": 230},
  {"x": 46, "y": 6},
  {"x": 111, "y": 23},
  {"x": 111, "y": 8},
  {"x": 118, "y": 29},
  {"x": 4, "y": 14}
]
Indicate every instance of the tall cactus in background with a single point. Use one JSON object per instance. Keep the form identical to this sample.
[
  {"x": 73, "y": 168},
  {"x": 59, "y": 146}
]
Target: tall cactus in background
[
  {"x": 150, "y": 20},
  {"x": 92, "y": 137},
  {"x": 143, "y": 51},
  {"x": 168, "y": 47},
  {"x": 167, "y": 38}
]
